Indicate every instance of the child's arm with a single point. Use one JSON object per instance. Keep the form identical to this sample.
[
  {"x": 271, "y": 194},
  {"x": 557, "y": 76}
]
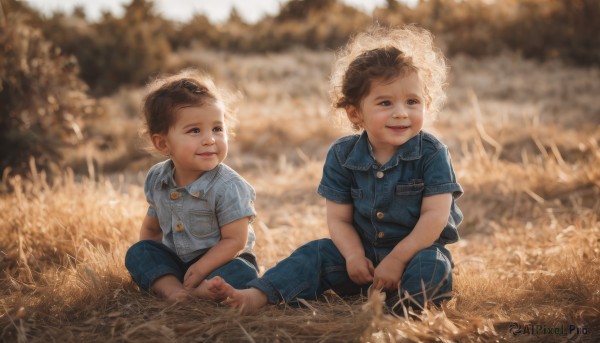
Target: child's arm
[
  {"x": 345, "y": 238},
  {"x": 233, "y": 240},
  {"x": 151, "y": 229},
  {"x": 435, "y": 211}
]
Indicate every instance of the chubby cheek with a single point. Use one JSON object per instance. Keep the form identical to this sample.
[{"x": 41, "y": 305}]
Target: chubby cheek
[
  {"x": 224, "y": 140},
  {"x": 224, "y": 146},
  {"x": 417, "y": 119}
]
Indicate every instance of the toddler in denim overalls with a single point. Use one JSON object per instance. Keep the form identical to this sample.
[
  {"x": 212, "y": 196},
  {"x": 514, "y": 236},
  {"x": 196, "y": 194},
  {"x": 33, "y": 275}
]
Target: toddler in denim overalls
[
  {"x": 390, "y": 189},
  {"x": 196, "y": 234}
]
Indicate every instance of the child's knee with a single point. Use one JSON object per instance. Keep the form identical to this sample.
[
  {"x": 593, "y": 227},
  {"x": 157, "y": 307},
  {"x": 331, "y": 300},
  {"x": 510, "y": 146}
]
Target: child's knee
[
  {"x": 237, "y": 273},
  {"x": 318, "y": 244},
  {"x": 428, "y": 277},
  {"x": 316, "y": 248},
  {"x": 133, "y": 254},
  {"x": 139, "y": 253}
]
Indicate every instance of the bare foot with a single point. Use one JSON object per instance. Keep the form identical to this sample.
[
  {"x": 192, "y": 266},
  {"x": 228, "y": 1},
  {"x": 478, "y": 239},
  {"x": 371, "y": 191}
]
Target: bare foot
[
  {"x": 215, "y": 289},
  {"x": 169, "y": 288},
  {"x": 248, "y": 301},
  {"x": 177, "y": 296}
]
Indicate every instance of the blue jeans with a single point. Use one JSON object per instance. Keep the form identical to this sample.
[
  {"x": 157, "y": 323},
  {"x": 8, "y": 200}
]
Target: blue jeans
[
  {"x": 318, "y": 266},
  {"x": 149, "y": 260}
]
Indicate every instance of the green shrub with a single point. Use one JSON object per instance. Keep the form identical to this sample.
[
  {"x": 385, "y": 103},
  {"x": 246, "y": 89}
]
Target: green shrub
[
  {"x": 42, "y": 100},
  {"x": 115, "y": 51}
]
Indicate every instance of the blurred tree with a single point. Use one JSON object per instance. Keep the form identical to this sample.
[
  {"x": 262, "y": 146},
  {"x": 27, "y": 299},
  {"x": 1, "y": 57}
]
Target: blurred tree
[
  {"x": 115, "y": 51},
  {"x": 139, "y": 11},
  {"x": 124, "y": 50},
  {"x": 198, "y": 30},
  {"x": 235, "y": 17},
  {"x": 583, "y": 41},
  {"x": 565, "y": 29},
  {"x": 392, "y": 4},
  {"x": 300, "y": 9},
  {"x": 79, "y": 12},
  {"x": 42, "y": 100},
  {"x": 9, "y": 8}
]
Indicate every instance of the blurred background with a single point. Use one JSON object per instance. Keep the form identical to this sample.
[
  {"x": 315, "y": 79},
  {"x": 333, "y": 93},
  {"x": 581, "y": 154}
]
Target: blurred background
[
  {"x": 522, "y": 123},
  {"x": 73, "y": 74}
]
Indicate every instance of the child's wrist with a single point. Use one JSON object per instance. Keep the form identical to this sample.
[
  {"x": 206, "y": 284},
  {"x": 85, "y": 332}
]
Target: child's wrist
[
  {"x": 353, "y": 256},
  {"x": 398, "y": 259}
]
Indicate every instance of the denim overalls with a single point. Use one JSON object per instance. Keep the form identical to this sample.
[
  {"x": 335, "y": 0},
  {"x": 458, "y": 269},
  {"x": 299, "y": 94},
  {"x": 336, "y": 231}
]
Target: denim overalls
[{"x": 387, "y": 204}]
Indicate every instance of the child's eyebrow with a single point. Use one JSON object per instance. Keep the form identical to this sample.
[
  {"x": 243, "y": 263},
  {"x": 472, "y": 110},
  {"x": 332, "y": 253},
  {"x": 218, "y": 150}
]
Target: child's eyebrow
[
  {"x": 382, "y": 96},
  {"x": 216, "y": 122},
  {"x": 191, "y": 125}
]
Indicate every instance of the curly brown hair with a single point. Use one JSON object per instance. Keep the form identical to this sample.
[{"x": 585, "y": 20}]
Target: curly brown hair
[{"x": 384, "y": 54}]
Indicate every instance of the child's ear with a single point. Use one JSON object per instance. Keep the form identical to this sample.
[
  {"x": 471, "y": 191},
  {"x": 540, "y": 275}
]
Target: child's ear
[
  {"x": 160, "y": 143},
  {"x": 353, "y": 114}
]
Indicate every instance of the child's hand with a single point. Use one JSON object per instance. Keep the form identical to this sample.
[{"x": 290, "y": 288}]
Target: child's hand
[
  {"x": 360, "y": 269},
  {"x": 388, "y": 273},
  {"x": 194, "y": 276}
]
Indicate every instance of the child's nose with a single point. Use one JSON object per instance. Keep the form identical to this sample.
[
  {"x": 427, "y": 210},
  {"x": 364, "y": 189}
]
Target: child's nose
[
  {"x": 208, "y": 140},
  {"x": 400, "y": 112}
]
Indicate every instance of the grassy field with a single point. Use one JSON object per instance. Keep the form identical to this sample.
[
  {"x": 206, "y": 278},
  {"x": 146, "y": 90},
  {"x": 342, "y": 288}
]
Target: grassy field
[{"x": 524, "y": 138}]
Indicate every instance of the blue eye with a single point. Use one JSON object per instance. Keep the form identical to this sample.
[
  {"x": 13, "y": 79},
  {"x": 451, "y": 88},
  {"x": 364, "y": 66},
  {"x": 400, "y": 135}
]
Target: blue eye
[
  {"x": 218, "y": 129},
  {"x": 385, "y": 103},
  {"x": 413, "y": 102}
]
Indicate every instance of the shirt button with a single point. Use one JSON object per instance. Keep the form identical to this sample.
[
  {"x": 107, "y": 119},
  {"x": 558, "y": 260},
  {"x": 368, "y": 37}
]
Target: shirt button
[
  {"x": 379, "y": 174},
  {"x": 380, "y": 215},
  {"x": 179, "y": 227},
  {"x": 174, "y": 195},
  {"x": 380, "y": 234}
]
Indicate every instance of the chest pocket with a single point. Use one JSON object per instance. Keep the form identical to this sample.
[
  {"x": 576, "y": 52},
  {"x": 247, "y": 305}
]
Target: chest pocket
[
  {"x": 415, "y": 188},
  {"x": 356, "y": 193},
  {"x": 408, "y": 201},
  {"x": 202, "y": 223}
]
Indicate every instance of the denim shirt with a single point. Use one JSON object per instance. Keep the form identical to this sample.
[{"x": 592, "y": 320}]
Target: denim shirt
[
  {"x": 191, "y": 217},
  {"x": 387, "y": 199}
]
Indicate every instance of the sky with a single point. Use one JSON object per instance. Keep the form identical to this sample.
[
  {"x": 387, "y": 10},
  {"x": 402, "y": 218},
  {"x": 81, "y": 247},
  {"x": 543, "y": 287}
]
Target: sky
[{"x": 183, "y": 10}]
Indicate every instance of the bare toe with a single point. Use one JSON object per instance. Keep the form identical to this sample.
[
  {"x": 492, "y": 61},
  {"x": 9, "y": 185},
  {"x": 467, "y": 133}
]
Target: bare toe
[
  {"x": 178, "y": 296},
  {"x": 247, "y": 301},
  {"x": 215, "y": 289}
]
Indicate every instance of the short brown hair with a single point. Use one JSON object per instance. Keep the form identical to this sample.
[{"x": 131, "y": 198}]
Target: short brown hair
[{"x": 166, "y": 95}]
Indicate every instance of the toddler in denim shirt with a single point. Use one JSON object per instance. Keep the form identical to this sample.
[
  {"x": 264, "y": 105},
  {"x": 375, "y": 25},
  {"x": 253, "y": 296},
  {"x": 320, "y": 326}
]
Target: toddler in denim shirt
[
  {"x": 390, "y": 190},
  {"x": 196, "y": 234}
]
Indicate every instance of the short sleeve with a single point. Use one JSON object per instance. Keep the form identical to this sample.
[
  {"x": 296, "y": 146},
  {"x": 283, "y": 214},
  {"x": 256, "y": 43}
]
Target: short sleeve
[
  {"x": 235, "y": 200},
  {"x": 336, "y": 182},
  {"x": 149, "y": 188},
  {"x": 439, "y": 175}
]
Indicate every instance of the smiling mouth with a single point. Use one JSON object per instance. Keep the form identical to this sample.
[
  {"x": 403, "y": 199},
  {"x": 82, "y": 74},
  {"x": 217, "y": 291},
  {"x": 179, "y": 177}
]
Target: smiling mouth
[
  {"x": 398, "y": 127},
  {"x": 207, "y": 153}
]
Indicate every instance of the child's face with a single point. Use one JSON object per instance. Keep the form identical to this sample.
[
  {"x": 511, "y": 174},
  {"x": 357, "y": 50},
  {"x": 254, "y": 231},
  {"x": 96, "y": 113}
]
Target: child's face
[
  {"x": 391, "y": 113},
  {"x": 197, "y": 141}
]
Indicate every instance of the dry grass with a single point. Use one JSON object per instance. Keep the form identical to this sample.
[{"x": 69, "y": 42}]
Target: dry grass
[{"x": 527, "y": 156}]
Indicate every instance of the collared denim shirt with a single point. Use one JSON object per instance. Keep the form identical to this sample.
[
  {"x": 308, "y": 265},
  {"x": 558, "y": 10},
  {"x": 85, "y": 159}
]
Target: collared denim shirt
[
  {"x": 387, "y": 199},
  {"x": 191, "y": 217}
]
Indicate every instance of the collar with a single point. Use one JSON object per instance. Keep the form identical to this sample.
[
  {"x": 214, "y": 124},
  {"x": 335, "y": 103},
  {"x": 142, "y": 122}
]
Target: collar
[
  {"x": 196, "y": 188},
  {"x": 361, "y": 156}
]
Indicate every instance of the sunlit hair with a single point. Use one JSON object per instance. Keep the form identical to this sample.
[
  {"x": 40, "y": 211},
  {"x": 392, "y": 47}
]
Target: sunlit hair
[
  {"x": 384, "y": 54},
  {"x": 166, "y": 95}
]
